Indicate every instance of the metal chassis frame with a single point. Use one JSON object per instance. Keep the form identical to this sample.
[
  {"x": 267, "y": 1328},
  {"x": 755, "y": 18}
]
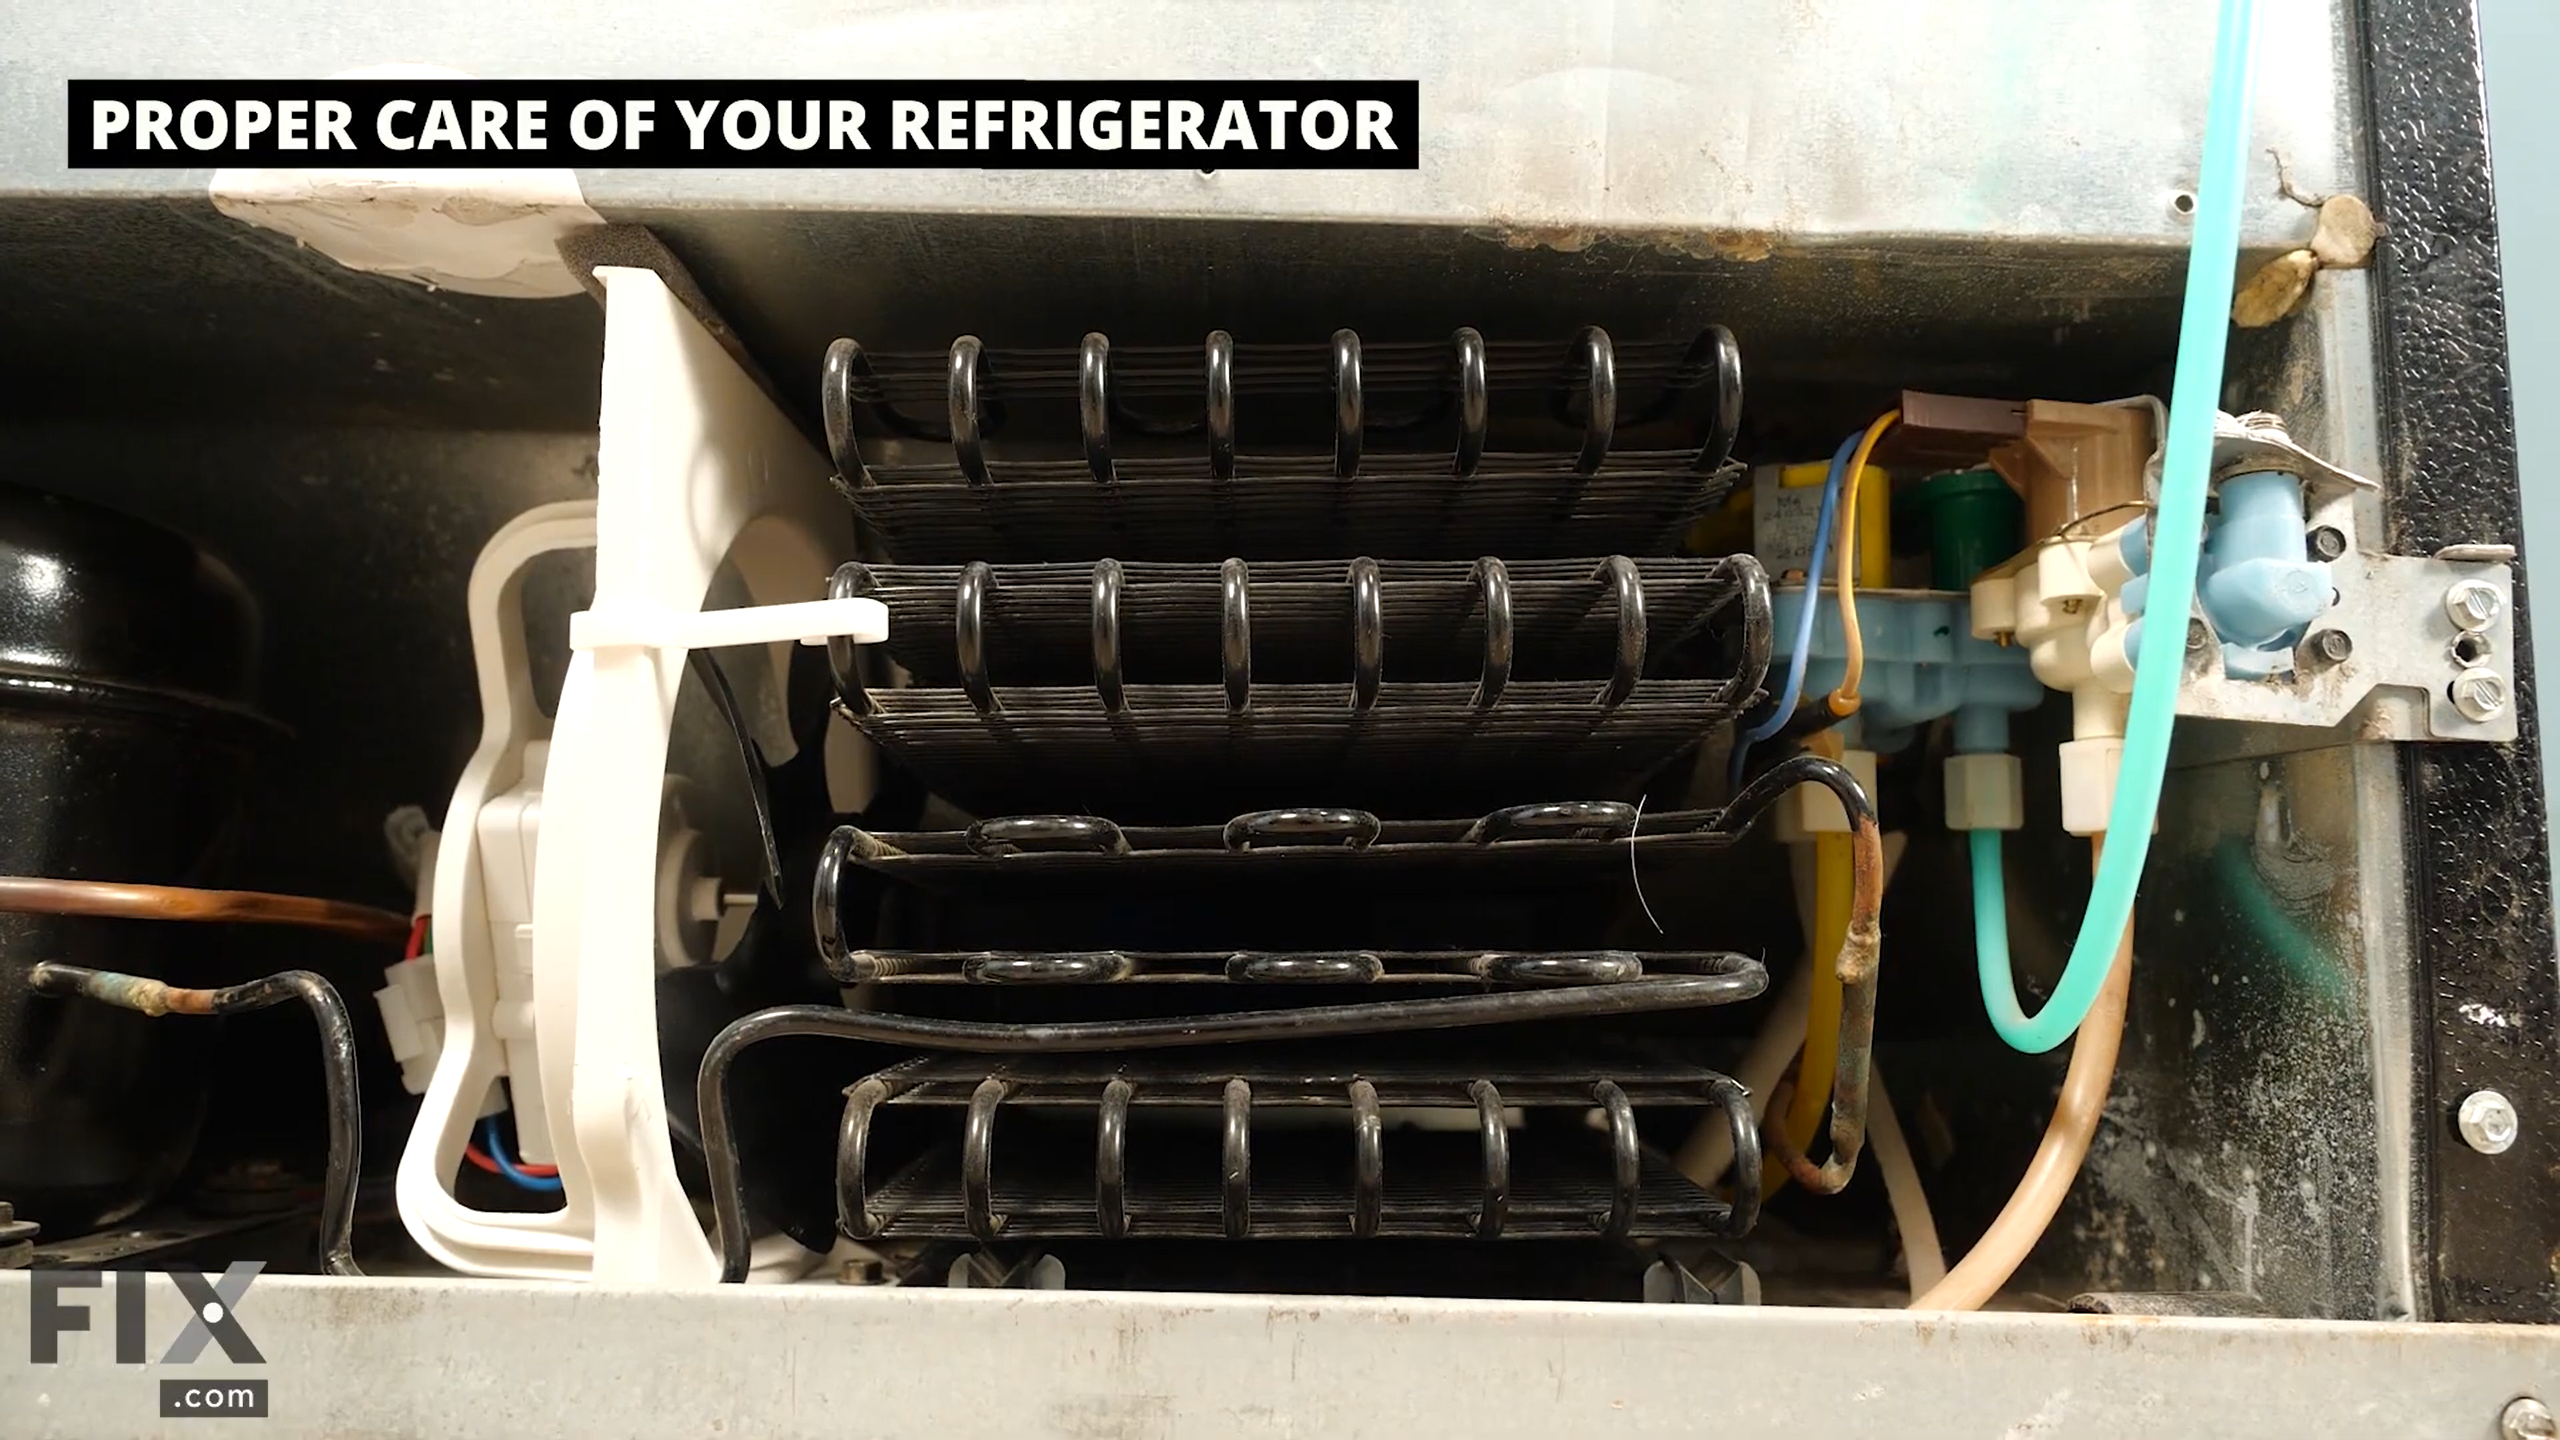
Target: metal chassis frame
[{"x": 496, "y": 1358}]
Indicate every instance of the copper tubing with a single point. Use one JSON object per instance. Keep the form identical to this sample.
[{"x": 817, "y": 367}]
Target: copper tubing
[
  {"x": 34, "y": 895},
  {"x": 1857, "y": 968},
  {"x": 2021, "y": 1222}
]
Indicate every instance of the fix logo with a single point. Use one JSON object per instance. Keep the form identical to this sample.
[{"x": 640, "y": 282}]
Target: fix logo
[{"x": 214, "y": 1303}]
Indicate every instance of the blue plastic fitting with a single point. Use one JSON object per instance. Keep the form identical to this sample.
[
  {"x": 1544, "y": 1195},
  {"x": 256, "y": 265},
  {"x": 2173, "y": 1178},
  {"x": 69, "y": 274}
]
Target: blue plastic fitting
[
  {"x": 1923, "y": 662},
  {"x": 1982, "y": 730},
  {"x": 2258, "y": 587},
  {"x": 2134, "y": 544}
]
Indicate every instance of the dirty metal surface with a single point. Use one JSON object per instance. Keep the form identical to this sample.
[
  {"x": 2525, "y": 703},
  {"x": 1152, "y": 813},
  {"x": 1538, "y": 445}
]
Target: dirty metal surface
[
  {"x": 2480, "y": 872},
  {"x": 2249, "y": 1143},
  {"x": 2007, "y": 184},
  {"x": 385, "y": 1357},
  {"x": 1713, "y": 127}
]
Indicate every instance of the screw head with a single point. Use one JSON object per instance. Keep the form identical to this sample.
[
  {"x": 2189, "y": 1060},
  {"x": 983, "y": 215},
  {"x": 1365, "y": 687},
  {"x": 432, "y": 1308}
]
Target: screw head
[
  {"x": 2329, "y": 647},
  {"x": 2327, "y": 542},
  {"x": 2479, "y": 694},
  {"x": 2526, "y": 1418},
  {"x": 2487, "y": 1121},
  {"x": 2473, "y": 604},
  {"x": 2199, "y": 635}
]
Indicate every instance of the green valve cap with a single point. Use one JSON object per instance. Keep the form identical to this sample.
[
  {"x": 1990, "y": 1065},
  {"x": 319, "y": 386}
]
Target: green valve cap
[{"x": 1973, "y": 518}]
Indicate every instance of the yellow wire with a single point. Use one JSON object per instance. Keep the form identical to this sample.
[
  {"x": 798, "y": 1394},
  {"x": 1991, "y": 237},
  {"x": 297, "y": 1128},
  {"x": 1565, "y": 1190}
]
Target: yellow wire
[
  {"x": 1833, "y": 863},
  {"x": 1833, "y": 884},
  {"x": 1844, "y": 700},
  {"x": 1832, "y": 857}
]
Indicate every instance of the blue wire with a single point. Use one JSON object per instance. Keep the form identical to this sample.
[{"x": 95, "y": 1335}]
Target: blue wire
[
  {"x": 1794, "y": 690},
  {"x": 507, "y": 1167}
]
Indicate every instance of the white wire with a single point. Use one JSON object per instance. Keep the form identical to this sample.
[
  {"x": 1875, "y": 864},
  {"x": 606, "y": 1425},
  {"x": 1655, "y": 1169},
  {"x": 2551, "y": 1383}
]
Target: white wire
[
  {"x": 1708, "y": 1152},
  {"x": 1902, "y": 1189},
  {"x": 1633, "y": 876}
]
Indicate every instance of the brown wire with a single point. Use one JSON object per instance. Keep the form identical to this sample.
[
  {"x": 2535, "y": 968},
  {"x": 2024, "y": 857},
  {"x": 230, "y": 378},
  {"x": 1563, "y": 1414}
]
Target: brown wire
[{"x": 35, "y": 895}]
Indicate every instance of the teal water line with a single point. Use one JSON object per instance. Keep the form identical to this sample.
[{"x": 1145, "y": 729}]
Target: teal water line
[
  {"x": 1991, "y": 929},
  {"x": 2177, "y": 533}
]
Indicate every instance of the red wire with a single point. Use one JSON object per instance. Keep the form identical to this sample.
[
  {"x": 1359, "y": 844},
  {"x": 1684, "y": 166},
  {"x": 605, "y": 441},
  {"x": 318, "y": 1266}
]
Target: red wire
[
  {"x": 476, "y": 1156},
  {"x": 471, "y": 1152}
]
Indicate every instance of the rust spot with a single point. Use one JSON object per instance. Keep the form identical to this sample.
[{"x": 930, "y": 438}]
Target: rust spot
[
  {"x": 1564, "y": 239},
  {"x": 127, "y": 992},
  {"x": 1747, "y": 246}
]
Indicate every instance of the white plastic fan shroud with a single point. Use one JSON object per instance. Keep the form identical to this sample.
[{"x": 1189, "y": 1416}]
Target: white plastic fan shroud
[{"x": 696, "y": 467}]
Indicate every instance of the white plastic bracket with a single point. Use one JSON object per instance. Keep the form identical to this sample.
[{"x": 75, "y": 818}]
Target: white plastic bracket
[
  {"x": 472, "y": 946},
  {"x": 700, "y": 478},
  {"x": 696, "y": 471},
  {"x": 808, "y": 622}
]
